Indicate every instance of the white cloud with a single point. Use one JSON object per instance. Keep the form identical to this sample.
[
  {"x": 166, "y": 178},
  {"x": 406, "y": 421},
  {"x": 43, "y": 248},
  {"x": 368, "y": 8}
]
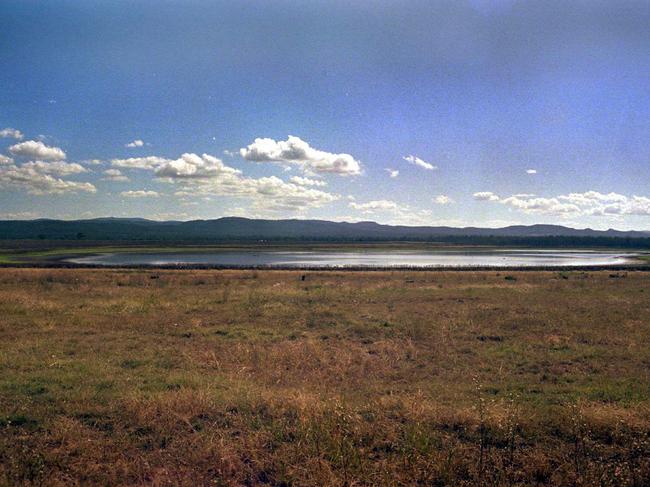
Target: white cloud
[
  {"x": 34, "y": 180},
  {"x": 182, "y": 216},
  {"x": 442, "y": 199},
  {"x": 637, "y": 205},
  {"x": 186, "y": 166},
  {"x": 206, "y": 175},
  {"x": 114, "y": 175},
  {"x": 593, "y": 198},
  {"x": 307, "y": 181},
  {"x": 393, "y": 213},
  {"x": 150, "y": 162},
  {"x": 531, "y": 171},
  {"x": 419, "y": 162},
  {"x": 135, "y": 143},
  {"x": 540, "y": 205},
  {"x": 58, "y": 168},
  {"x": 610, "y": 204},
  {"x": 21, "y": 215},
  {"x": 193, "y": 166},
  {"x": 37, "y": 150},
  {"x": 266, "y": 194},
  {"x": 373, "y": 206},
  {"x": 11, "y": 133},
  {"x": 393, "y": 173},
  {"x": 140, "y": 193},
  {"x": 486, "y": 196},
  {"x": 273, "y": 193},
  {"x": 589, "y": 203},
  {"x": 296, "y": 151},
  {"x": 6, "y": 160}
]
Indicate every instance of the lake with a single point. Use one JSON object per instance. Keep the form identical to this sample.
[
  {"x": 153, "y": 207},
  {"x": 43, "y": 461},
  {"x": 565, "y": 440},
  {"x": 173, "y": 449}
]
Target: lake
[{"x": 364, "y": 258}]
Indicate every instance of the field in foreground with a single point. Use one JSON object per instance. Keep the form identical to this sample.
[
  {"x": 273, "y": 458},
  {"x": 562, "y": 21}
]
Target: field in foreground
[{"x": 117, "y": 377}]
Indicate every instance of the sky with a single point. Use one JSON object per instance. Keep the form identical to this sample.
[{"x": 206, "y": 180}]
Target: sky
[{"x": 463, "y": 113}]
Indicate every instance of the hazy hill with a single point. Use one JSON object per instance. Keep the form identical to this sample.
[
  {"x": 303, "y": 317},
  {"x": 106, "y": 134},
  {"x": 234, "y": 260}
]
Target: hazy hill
[{"x": 244, "y": 229}]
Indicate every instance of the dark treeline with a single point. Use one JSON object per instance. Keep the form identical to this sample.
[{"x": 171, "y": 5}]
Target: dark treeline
[
  {"x": 548, "y": 242},
  {"x": 551, "y": 241}
]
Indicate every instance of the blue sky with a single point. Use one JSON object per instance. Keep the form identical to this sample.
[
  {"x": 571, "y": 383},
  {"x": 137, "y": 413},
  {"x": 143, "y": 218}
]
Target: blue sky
[{"x": 472, "y": 112}]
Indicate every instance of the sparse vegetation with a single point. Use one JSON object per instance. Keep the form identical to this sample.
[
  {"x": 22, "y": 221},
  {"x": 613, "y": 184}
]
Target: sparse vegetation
[{"x": 117, "y": 377}]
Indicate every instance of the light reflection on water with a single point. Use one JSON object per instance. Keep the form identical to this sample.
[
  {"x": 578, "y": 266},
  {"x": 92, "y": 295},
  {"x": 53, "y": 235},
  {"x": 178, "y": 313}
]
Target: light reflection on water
[{"x": 368, "y": 258}]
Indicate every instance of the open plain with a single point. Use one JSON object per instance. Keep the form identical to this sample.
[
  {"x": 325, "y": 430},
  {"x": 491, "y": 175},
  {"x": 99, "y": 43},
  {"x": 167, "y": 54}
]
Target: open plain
[{"x": 227, "y": 377}]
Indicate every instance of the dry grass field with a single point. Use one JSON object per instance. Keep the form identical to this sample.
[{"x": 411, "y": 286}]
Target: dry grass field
[{"x": 118, "y": 377}]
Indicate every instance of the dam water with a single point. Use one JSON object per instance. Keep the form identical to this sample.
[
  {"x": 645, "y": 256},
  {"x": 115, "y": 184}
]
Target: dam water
[{"x": 363, "y": 258}]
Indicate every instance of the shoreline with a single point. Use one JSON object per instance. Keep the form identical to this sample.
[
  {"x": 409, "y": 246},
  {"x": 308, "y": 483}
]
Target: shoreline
[{"x": 62, "y": 264}]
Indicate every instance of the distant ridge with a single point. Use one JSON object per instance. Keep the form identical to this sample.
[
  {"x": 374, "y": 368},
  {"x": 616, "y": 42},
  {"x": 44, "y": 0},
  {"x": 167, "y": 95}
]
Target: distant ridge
[{"x": 244, "y": 229}]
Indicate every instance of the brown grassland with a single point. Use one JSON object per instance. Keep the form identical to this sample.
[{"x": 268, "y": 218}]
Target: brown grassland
[{"x": 124, "y": 377}]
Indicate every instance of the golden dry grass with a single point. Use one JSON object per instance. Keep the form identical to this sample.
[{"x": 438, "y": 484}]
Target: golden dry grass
[{"x": 118, "y": 377}]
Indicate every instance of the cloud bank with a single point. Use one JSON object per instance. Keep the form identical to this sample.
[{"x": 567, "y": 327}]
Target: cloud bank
[
  {"x": 589, "y": 203},
  {"x": 206, "y": 175},
  {"x": 39, "y": 178}
]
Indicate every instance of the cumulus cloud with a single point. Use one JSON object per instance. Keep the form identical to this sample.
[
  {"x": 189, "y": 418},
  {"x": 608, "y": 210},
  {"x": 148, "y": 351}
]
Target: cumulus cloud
[
  {"x": 593, "y": 198},
  {"x": 194, "y": 166},
  {"x": 540, "y": 205},
  {"x": 140, "y": 193},
  {"x": 392, "y": 212},
  {"x": 531, "y": 171},
  {"x": 58, "y": 168},
  {"x": 150, "y": 162},
  {"x": 207, "y": 175},
  {"x": 485, "y": 196},
  {"x": 307, "y": 181},
  {"x": 114, "y": 175},
  {"x": 135, "y": 143},
  {"x": 37, "y": 179},
  {"x": 37, "y": 150},
  {"x": 6, "y": 160},
  {"x": 442, "y": 199},
  {"x": 419, "y": 162},
  {"x": 11, "y": 133},
  {"x": 601, "y": 204},
  {"x": 186, "y": 166},
  {"x": 373, "y": 206},
  {"x": 267, "y": 193},
  {"x": 589, "y": 203},
  {"x": 274, "y": 193},
  {"x": 296, "y": 151},
  {"x": 393, "y": 173}
]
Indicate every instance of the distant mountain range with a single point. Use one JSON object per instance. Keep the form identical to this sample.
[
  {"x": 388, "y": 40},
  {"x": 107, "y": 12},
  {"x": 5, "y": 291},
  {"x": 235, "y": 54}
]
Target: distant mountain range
[{"x": 244, "y": 229}]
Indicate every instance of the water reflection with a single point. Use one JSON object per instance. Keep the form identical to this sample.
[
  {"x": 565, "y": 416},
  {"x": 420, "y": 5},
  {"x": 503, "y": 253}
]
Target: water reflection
[{"x": 366, "y": 258}]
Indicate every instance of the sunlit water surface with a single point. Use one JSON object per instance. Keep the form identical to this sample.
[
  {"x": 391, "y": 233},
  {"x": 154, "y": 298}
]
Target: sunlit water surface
[{"x": 366, "y": 258}]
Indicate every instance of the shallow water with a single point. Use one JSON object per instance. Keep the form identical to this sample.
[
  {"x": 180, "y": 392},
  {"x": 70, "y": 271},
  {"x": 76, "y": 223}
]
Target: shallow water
[{"x": 368, "y": 258}]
